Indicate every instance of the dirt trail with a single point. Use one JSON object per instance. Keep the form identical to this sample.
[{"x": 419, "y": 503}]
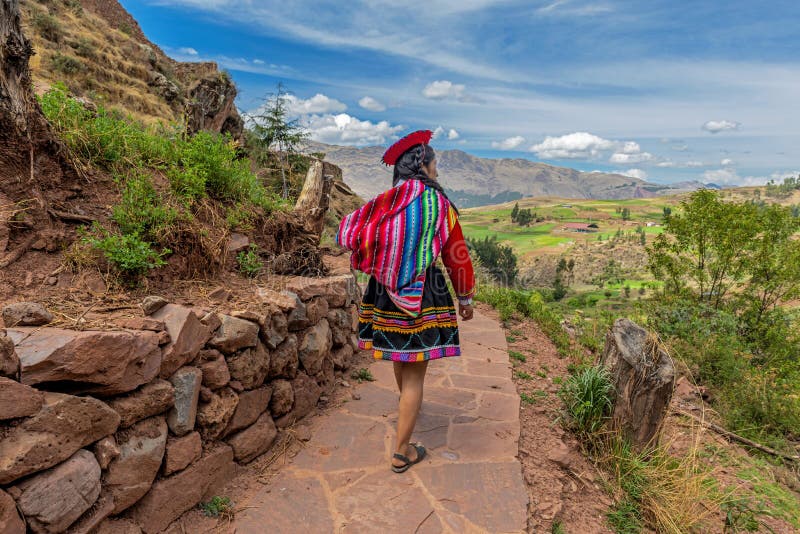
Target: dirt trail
[{"x": 563, "y": 485}]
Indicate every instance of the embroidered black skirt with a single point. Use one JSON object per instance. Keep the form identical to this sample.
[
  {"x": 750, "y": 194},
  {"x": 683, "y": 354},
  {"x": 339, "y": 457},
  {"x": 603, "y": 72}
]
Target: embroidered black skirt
[{"x": 393, "y": 335}]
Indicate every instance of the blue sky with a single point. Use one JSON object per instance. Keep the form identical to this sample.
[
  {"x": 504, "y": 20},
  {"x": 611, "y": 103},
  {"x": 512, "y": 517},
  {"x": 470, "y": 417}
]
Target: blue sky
[{"x": 662, "y": 90}]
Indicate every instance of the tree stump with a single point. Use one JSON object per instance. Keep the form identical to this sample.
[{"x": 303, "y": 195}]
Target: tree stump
[{"x": 643, "y": 376}]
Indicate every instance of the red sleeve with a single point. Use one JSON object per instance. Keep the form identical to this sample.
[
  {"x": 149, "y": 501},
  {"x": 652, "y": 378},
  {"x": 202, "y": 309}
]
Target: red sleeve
[{"x": 455, "y": 256}]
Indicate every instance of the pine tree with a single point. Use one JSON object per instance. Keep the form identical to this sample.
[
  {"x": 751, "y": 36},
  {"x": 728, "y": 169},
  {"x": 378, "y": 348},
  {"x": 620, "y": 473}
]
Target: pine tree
[
  {"x": 515, "y": 212},
  {"x": 275, "y": 131}
]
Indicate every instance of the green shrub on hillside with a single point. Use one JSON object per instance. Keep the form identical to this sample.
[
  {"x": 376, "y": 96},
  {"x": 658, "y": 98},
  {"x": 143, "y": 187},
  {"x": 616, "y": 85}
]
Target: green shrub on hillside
[
  {"x": 588, "y": 397},
  {"x": 142, "y": 210},
  {"x": 129, "y": 254}
]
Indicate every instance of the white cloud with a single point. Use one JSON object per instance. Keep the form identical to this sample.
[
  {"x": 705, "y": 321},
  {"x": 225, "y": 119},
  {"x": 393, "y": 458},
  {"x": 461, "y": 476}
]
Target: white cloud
[
  {"x": 630, "y": 158},
  {"x": 726, "y": 162},
  {"x": 633, "y": 173},
  {"x": 720, "y": 126},
  {"x": 571, "y": 8},
  {"x": 258, "y": 61},
  {"x": 578, "y": 145},
  {"x": 318, "y": 103},
  {"x": 694, "y": 164},
  {"x": 510, "y": 143},
  {"x": 442, "y": 89},
  {"x": 371, "y": 104},
  {"x": 721, "y": 176},
  {"x": 188, "y": 50},
  {"x": 438, "y": 132},
  {"x": 453, "y": 134},
  {"x": 680, "y": 148},
  {"x": 343, "y": 129}
]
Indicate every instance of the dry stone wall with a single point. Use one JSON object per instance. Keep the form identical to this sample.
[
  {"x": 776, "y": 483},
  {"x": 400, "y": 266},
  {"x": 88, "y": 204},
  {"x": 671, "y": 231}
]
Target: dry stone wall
[{"x": 145, "y": 421}]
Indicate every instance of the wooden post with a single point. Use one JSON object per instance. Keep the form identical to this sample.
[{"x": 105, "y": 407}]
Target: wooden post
[
  {"x": 644, "y": 378},
  {"x": 314, "y": 199}
]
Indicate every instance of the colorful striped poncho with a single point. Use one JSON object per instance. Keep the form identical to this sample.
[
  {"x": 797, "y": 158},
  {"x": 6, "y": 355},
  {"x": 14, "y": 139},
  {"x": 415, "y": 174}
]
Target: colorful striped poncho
[{"x": 396, "y": 236}]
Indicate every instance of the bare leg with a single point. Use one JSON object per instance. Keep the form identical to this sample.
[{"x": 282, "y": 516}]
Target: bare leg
[
  {"x": 413, "y": 378},
  {"x": 398, "y": 375}
]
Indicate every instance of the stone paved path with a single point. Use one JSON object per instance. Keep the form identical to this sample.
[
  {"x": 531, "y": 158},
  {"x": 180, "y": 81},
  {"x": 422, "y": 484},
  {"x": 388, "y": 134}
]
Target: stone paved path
[{"x": 470, "y": 482}]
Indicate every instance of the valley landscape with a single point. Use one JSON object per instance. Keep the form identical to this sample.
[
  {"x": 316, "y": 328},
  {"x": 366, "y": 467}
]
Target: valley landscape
[{"x": 179, "y": 344}]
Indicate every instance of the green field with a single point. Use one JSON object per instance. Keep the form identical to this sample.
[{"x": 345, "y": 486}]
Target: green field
[{"x": 549, "y": 236}]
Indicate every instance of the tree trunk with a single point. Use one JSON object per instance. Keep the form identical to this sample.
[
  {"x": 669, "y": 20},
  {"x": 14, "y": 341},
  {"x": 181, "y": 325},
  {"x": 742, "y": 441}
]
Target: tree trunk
[
  {"x": 315, "y": 197},
  {"x": 644, "y": 378},
  {"x": 34, "y": 170}
]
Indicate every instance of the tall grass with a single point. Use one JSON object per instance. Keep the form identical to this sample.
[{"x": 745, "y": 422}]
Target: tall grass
[
  {"x": 198, "y": 168},
  {"x": 588, "y": 396}
]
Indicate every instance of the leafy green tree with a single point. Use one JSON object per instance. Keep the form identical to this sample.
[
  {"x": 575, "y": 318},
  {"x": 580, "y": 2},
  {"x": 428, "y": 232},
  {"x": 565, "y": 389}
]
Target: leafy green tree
[
  {"x": 499, "y": 258},
  {"x": 515, "y": 212},
  {"x": 274, "y": 131},
  {"x": 773, "y": 261},
  {"x": 667, "y": 211},
  {"x": 626, "y": 214},
  {"x": 704, "y": 248}
]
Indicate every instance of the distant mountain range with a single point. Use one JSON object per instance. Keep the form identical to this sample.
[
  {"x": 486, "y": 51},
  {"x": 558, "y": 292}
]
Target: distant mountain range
[{"x": 472, "y": 181}]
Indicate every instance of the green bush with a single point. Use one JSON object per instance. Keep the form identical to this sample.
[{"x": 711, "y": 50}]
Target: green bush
[
  {"x": 48, "y": 26},
  {"x": 67, "y": 64},
  {"x": 249, "y": 262},
  {"x": 142, "y": 209},
  {"x": 129, "y": 254},
  {"x": 217, "y": 507},
  {"x": 587, "y": 396}
]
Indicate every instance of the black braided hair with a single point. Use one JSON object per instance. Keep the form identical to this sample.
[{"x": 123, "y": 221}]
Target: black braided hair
[{"x": 409, "y": 166}]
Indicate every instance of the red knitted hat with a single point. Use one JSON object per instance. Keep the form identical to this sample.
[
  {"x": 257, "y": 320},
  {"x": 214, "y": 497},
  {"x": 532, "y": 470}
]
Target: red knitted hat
[{"x": 420, "y": 137}]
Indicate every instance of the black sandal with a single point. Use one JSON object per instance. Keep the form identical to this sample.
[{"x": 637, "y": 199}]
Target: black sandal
[{"x": 408, "y": 463}]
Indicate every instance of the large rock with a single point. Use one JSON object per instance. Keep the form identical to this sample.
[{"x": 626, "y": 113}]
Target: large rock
[
  {"x": 316, "y": 309},
  {"x": 181, "y": 452},
  {"x": 91, "y": 520},
  {"x": 306, "y": 395},
  {"x": 250, "y": 366},
  {"x": 234, "y": 334},
  {"x": 215, "y": 369},
  {"x": 90, "y": 361},
  {"x": 151, "y": 399},
  {"x": 251, "y": 405},
  {"x": 282, "y": 398},
  {"x": 18, "y": 400},
  {"x": 338, "y": 290},
  {"x": 297, "y": 318},
  {"x": 152, "y": 304},
  {"x": 9, "y": 361},
  {"x": 254, "y": 440},
  {"x": 10, "y": 521},
  {"x": 187, "y": 336},
  {"x": 341, "y": 327},
  {"x": 342, "y": 357},
  {"x": 131, "y": 474},
  {"x": 26, "y": 314},
  {"x": 275, "y": 328},
  {"x": 282, "y": 301},
  {"x": 172, "y": 496},
  {"x": 643, "y": 377},
  {"x": 316, "y": 343},
  {"x": 284, "y": 361},
  {"x": 52, "y": 500},
  {"x": 213, "y": 417},
  {"x": 187, "y": 392},
  {"x": 63, "y": 425}
]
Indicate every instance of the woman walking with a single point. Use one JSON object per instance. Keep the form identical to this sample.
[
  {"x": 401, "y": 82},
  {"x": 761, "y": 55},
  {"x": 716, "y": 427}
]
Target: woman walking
[{"x": 407, "y": 314}]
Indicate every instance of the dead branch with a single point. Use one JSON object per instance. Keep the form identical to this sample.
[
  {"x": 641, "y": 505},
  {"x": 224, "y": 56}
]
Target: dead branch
[
  {"x": 73, "y": 217},
  {"x": 18, "y": 252},
  {"x": 736, "y": 437}
]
